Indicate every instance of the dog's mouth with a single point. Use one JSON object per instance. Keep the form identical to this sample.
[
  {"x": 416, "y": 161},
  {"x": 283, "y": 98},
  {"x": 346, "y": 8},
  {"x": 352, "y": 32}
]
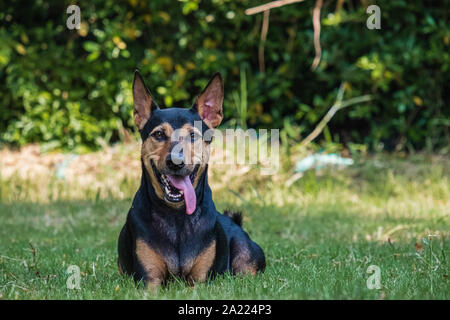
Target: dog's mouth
[
  {"x": 178, "y": 188},
  {"x": 171, "y": 194}
]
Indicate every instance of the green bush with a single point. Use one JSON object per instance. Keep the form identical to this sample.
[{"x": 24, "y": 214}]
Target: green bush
[{"x": 71, "y": 89}]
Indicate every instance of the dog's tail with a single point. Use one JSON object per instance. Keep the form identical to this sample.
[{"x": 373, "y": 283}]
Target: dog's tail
[{"x": 236, "y": 216}]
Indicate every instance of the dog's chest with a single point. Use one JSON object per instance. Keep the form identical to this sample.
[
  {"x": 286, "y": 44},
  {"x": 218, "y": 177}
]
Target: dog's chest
[
  {"x": 190, "y": 260},
  {"x": 186, "y": 244},
  {"x": 178, "y": 263}
]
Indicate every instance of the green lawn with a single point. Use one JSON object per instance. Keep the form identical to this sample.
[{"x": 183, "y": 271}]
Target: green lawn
[{"x": 320, "y": 235}]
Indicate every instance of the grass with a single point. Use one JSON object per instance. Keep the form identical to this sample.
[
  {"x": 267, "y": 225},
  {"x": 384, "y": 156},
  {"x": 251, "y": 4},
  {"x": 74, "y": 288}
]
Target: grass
[{"x": 320, "y": 235}]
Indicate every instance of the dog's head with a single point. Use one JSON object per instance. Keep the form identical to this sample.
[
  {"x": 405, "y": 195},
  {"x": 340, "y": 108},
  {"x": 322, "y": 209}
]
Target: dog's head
[{"x": 175, "y": 141}]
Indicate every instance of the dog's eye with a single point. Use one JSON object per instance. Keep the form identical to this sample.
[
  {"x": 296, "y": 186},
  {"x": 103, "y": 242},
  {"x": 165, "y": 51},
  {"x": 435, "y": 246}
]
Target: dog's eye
[
  {"x": 194, "y": 136},
  {"x": 158, "y": 135}
]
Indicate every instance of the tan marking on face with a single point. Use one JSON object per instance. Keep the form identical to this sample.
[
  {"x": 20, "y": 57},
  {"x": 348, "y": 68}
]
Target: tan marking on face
[
  {"x": 203, "y": 163},
  {"x": 197, "y": 177},
  {"x": 200, "y": 266},
  {"x": 189, "y": 149},
  {"x": 195, "y": 153},
  {"x": 156, "y": 151},
  {"x": 152, "y": 262}
]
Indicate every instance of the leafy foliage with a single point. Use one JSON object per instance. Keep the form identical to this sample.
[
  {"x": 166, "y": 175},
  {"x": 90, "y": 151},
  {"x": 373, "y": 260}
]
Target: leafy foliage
[{"x": 71, "y": 89}]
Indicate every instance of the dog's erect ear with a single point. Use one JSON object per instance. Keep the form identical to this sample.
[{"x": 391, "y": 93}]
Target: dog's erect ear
[
  {"x": 209, "y": 102},
  {"x": 143, "y": 101}
]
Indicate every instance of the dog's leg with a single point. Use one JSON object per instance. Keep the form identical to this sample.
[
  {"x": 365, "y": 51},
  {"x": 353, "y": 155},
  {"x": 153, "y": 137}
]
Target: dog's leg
[
  {"x": 125, "y": 251},
  {"x": 202, "y": 264},
  {"x": 246, "y": 257},
  {"x": 120, "y": 267},
  {"x": 154, "y": 268}
]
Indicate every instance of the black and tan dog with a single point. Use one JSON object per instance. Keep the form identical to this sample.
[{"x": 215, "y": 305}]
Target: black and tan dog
[{"x": 173, "y": 228}]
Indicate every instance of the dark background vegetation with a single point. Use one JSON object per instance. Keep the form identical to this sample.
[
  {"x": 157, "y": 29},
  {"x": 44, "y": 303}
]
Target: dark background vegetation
[{"x": 71, "y": 89}]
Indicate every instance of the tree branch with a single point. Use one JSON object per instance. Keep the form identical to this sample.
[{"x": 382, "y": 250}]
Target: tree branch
[
  {"x": 270, "y": 5},
  {"x": 338, "y": 105},
  {"x": 264, "y": 30},
  {"x": 316, "y": 24}
]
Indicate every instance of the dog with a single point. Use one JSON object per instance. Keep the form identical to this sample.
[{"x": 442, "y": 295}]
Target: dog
[{"x": 173, "y": 227}]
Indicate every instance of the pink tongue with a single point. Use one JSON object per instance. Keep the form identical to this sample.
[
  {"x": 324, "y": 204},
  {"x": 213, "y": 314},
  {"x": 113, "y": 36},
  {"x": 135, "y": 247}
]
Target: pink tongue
[{"x": 184, "y": 183}]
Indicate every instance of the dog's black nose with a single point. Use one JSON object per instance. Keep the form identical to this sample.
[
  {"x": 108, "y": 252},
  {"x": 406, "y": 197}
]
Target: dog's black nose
[{"x": 175, "y": 162}]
